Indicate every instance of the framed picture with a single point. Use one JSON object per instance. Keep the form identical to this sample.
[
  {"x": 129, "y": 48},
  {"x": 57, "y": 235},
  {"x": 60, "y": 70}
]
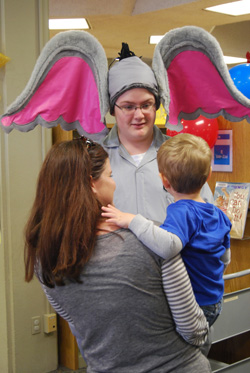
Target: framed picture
[{"x": 223, "y": 152}]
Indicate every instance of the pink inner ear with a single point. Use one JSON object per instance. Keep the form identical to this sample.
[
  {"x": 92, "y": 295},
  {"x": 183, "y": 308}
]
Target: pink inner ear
[
  {"x": 69, "y": 90},
  {"x": 195, "y": 83}
]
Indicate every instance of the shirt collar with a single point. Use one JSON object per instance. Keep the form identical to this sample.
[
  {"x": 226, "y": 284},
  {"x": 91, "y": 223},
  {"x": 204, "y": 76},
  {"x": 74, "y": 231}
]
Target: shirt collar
[{"x": 112, "y": 140}]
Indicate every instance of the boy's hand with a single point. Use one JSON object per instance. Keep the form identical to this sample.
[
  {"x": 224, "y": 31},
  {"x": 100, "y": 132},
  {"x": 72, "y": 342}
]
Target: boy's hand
[{"x": 122, "y": 219}]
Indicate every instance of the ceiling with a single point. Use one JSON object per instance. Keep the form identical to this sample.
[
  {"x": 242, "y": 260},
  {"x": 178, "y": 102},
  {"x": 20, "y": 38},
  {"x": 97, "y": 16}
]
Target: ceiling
[{"x": 133, "y": 21}]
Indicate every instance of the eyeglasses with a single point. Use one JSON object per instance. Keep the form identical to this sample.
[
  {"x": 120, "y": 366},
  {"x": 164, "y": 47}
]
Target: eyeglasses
[{"x": 130, "y": 109}]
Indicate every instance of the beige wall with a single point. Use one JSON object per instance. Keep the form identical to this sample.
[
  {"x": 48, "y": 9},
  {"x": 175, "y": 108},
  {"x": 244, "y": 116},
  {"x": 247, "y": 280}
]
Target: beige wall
[{"x": 23, "y": 32}]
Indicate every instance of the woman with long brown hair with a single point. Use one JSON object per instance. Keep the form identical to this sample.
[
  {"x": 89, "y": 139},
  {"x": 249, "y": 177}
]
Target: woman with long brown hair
[
  {"x": 100, "y": 278},
  {"x": 61, "y": 230}
]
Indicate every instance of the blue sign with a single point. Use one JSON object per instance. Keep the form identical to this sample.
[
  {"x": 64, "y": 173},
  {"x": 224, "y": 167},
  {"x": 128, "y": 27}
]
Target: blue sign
[{"x": 222, "y": 155}]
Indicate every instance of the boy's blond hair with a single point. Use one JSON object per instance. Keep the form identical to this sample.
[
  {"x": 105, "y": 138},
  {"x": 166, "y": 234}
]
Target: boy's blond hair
[{"x": 185, "y": 160}]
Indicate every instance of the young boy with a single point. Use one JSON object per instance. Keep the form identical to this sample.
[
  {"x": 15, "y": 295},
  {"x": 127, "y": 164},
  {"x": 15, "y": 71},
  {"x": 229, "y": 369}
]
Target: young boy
[{"x": 185, "y": 165}]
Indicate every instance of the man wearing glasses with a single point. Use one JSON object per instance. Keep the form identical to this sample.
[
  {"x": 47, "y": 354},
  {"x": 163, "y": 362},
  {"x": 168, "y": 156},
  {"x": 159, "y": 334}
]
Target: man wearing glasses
[{"x": 133, "y": 142}]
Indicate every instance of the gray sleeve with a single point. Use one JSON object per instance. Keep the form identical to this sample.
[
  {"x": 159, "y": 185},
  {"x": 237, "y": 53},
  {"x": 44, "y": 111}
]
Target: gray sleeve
[
  {"x": 161, "y": 242},
  {"x": 189, "y": 318},
  {"x": 226, "y": 258}
]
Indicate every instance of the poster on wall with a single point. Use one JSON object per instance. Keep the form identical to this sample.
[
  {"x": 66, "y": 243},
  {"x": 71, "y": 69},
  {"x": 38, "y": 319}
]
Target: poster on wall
[
  {"x": 223, "y": 152},
  {"x": 233, "y": 200}
]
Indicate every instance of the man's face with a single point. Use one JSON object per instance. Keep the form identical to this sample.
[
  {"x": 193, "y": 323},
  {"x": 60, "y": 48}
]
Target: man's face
[{"x": 135, "y": 125}]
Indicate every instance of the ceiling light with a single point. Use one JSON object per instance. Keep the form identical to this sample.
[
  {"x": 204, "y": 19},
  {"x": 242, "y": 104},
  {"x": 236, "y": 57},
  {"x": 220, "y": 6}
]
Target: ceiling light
[
  {"x": 68, "y": 24},
  {"x": 233, "y": 60},
  {"x": 237, "y": 8},
  {"x": 154, "y": 39}
]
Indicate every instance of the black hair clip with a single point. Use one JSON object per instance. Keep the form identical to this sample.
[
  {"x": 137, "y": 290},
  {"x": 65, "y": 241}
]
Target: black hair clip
[{"x": 89, "y": 144}]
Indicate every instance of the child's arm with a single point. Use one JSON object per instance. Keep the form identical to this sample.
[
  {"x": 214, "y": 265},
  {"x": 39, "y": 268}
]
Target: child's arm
[
  {"x": 161, "y": 242},
  {"x": 189, "y": 318},
  {"x": 165, "y": 244},
  {"x": 122, "y": 219}
]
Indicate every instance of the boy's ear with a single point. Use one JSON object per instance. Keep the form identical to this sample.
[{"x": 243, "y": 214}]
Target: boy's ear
[{"x": 165, "y": 181}]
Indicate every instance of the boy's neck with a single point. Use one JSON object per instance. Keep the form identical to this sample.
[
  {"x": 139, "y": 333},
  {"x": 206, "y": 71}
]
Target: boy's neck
[{"x": 192, "y": 196}]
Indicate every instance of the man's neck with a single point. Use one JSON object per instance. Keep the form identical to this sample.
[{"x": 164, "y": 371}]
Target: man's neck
[{"x": 136, "y": 147}]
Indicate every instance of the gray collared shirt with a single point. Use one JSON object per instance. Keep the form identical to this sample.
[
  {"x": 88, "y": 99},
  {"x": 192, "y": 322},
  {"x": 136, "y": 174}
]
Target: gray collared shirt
[{"x": 139, "y": 188}]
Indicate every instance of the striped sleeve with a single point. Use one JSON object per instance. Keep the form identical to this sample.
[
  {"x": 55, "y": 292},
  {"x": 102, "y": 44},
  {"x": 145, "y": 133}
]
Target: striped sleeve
[
  {"x": 57, "y": 308},
  {"x": 189, "y": 318}
]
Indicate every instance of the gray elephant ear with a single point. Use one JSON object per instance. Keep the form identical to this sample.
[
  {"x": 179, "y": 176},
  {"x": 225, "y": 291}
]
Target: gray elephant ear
[
  {"x": 68, "y": 86},
  {"x": 193, "y": 78}
]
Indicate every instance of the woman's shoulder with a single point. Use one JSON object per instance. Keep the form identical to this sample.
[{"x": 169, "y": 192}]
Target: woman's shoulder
[{"x": 124, "y": 241}]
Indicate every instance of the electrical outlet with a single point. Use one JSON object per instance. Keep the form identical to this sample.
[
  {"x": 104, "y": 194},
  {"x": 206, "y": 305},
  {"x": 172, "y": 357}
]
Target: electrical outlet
[
  {"x": 50, "y": 324},
  {"x": 36, "y": 325}
]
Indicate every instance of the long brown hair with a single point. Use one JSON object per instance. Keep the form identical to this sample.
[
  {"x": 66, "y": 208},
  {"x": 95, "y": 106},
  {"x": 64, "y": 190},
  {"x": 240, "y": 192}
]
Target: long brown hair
[{"x": 61, "y": 231}]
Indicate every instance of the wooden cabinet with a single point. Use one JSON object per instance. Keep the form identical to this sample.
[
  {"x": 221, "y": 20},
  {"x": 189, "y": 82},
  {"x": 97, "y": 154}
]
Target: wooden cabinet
[
  {"x": 235, "y": 349},
  {"x": 240, "y": 249},
  {"x": 67, "y": 346},
  {"x": 59, "y": 135}
]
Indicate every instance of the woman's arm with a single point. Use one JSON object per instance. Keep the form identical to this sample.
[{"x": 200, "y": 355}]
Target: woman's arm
[{"x": 189, "y": 318}]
